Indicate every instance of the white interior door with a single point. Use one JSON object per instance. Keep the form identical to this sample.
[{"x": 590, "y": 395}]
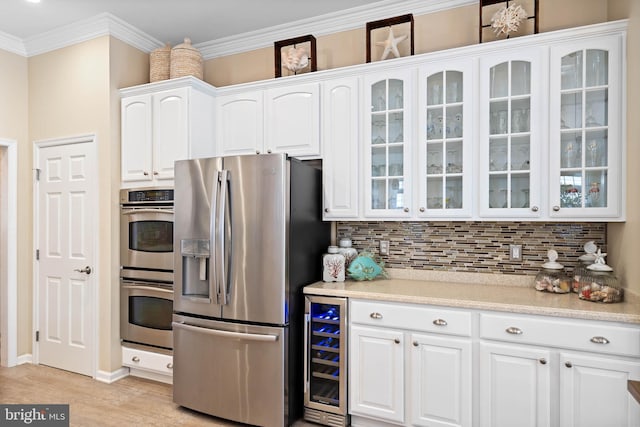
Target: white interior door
[{"x": 65, "y": 242}]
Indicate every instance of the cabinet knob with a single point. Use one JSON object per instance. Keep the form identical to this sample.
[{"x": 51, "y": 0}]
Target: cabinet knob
[
  {"x": 406, "y": 209},
  {"x": 145, "y": 173},
  {"x": 535, "y": 208},
  {"x": 397, "y": 341},
  {"x": 599, "y": 340},
  {"x": 513, "y": 330},
  {"x": 568, "y": 364},
  {"x": 415, "y": 344},
  {"x": 543, "y": 361},
  {"x": 556, "y": 208},
  {"x": 440, "y": 322},
  {"x": 269, "y": 151},
  {"x": 375, "y": 315},
  {"x": 169, "y": 365},
  {"x": 422, "y": 209},
  {"x": 155, "y": 172},
  {"x": 326, "y": 210},
  {"x": 135, "y": 359},
  {"x": 257, "y": 151}
]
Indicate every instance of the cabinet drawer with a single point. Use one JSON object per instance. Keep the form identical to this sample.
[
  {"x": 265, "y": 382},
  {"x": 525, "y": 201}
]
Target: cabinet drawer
[
  {"x": 585, "y": 335},
  {"x": 411, "y": 316},
  {"x": 146, "y": 360}
]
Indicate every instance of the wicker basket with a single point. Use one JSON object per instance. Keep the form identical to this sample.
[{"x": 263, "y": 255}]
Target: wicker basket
[
  {"x": 186, "y": 61},
  {"x": 160, "y": 63}
]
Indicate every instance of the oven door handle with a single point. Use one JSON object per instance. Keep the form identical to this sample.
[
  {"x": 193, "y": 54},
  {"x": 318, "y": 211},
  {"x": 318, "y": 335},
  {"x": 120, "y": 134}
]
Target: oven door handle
[
  {"x": 137, "y": 211},
  {"x": 147, "y": 288},
  {"x": 226, "y": 334}
]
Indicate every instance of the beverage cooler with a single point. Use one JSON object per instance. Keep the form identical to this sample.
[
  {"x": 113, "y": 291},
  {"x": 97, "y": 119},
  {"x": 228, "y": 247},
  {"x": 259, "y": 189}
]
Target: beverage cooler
[{"x": 325, "y": 396}]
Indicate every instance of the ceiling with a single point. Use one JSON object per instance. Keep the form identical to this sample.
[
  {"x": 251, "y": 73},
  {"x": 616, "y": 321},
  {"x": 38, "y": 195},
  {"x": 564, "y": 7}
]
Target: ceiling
[{"x": 171, "y": 20}]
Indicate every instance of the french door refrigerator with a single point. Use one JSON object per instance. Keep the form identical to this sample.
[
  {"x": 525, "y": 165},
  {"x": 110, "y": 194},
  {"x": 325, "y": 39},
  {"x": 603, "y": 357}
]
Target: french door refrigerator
[{"x": 248, "y": 236}]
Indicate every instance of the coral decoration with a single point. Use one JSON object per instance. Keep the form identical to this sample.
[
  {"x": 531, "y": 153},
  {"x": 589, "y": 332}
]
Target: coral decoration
[
  {"x": 508, "y": 20},
  {"x": 295, "y": 59}
]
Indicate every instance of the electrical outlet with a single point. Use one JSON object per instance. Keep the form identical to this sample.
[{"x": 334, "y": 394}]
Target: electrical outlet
[
  {"x": 384, "y": 247},
  {"x": 515, "y": 252}
]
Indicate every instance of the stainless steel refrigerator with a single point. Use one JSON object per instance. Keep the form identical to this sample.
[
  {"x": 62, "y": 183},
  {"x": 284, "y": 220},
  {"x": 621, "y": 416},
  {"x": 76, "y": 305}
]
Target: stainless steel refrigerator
[{"x": 248, "y": 236}]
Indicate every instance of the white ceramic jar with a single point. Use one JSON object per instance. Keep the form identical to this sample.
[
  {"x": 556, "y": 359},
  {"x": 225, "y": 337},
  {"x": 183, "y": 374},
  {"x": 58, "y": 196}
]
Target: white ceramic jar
[
  {"x": 345, "y": 249},
  {"x": 333, "y": 265}
]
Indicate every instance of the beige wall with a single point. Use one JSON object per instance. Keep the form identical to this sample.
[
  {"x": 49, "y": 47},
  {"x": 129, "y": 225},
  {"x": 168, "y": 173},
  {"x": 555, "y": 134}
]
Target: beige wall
[
  {"x": 13, "y": 125},
  {"x": 624, "y": 239},
  {"x": 442, "y": 30}
]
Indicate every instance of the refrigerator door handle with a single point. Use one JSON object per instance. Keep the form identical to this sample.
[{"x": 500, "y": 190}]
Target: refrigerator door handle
[
  {"x": 221, "y": 250},
  {"x": 214, "y": 286},
  {"x": 226, "y": 334}
]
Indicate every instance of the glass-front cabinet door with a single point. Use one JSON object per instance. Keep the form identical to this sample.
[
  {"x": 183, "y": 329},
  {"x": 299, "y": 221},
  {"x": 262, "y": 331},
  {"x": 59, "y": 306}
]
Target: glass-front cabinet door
[
  {"x": 445, "y": 120},
  {"x": 510, "y": 132},
  {"x": 586, "y": 143},
  {"x": 387, "y": 137}
]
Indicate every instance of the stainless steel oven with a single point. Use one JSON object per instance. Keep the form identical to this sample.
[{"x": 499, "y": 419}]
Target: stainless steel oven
[
  {"x": 146, "y": 310},
  {"x": 146, "y": 233},
  {"x": 146, "y": 267}
]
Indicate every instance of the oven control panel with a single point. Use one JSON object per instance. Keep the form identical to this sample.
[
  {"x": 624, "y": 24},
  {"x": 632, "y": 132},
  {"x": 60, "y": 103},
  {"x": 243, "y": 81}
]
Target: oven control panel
[{"x": 146, "y": 195}]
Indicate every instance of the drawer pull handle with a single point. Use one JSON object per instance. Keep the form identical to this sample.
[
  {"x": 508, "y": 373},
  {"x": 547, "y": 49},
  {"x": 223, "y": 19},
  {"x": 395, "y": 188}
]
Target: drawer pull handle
[
  {"x": 568, "y": 364},
  {"x": 599, "y": 340},
  {"x": 375, "y": 315},
  {"x": 135, "y": 359},
  {"x": 415, "y": 344},
  {"x": 543, "y": 361},
  {"x": 169, "y": 365},
  {"x": 440, "y": 322},
  {"x": 397, "y": 341},
  {"x": 513, "y": 330}
]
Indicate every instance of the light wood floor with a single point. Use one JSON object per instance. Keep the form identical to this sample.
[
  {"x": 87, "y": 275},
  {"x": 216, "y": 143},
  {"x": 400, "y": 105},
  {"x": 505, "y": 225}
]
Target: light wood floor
[{"x": 128, "y": 402}]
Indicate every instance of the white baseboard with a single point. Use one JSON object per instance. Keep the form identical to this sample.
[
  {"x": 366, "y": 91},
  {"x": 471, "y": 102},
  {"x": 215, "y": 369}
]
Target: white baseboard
[
  {"x": 109, "y": 377},
  {"x": 25, "y": 358},
  {"x": 167, "y": 379}
]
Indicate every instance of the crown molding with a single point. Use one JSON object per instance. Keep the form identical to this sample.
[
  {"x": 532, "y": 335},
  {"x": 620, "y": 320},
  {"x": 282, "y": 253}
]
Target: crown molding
[
  {"x": 345, "y": 20},
  {"x": 104, "y": 24},
  {"x": 12, "y": 44}
]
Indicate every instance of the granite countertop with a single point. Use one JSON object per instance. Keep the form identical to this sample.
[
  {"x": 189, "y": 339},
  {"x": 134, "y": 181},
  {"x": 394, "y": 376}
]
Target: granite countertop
[{"x": 479, "y": 291}]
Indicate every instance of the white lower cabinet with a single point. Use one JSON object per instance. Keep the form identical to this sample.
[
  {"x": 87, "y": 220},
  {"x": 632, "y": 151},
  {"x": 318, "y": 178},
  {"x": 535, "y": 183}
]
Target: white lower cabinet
[
  {"x": 148, "y": 364},
  {"x": 515, "y": 386},
  {"x": 404, "y": 373},
  {"x": 543, "y": 371},
  {"x": 593, "y": 391},
  {"x": 377, "y": 373},
  {"x": 440, "y": 390}
]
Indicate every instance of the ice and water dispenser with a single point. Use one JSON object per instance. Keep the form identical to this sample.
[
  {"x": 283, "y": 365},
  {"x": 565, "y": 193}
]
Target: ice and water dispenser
[{"x": 195, "y": 267}]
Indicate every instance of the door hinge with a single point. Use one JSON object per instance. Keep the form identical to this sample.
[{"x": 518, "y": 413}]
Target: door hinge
[
  {"x": 37, "y": 174},
  {"x": 37, "y": 254},
  {"x": 37, "y": 336}
]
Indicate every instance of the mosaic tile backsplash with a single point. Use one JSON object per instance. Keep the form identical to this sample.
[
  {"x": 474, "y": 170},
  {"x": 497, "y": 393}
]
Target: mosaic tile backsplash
[{"x": 473, "y": 246}]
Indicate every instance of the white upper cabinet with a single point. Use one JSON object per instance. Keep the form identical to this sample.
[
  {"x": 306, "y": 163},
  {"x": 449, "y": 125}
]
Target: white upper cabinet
[
  {"x": 511, "y": 129},
  {"x": 587, "y": 162},
  {"x": 161, "y": 123},
  {"x": 240, "y": 123},
  {"x": 283, "y": 119},
  {"x": 387, "y": 144},
  {"x": 292, "y": 120},
  {"x": 445, "y": 130},
  {"x": 340, "y": 133}
]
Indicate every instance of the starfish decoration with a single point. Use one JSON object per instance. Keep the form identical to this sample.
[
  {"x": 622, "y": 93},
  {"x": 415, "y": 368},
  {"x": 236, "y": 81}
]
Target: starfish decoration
[{"x": 391, "y": 45}]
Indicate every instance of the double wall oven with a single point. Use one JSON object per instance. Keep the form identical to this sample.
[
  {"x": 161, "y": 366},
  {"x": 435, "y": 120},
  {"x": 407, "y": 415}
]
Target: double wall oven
[{"x": 146, "y": 267}]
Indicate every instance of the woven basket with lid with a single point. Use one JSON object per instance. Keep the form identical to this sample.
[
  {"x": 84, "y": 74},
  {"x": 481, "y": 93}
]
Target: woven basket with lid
[
  {"x": 160, "y": 63},
  {"x": 186, "y": 61}
]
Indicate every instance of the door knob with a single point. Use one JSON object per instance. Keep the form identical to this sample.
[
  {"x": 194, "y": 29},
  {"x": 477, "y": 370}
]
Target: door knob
[{"x": 87, "y": 270}]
